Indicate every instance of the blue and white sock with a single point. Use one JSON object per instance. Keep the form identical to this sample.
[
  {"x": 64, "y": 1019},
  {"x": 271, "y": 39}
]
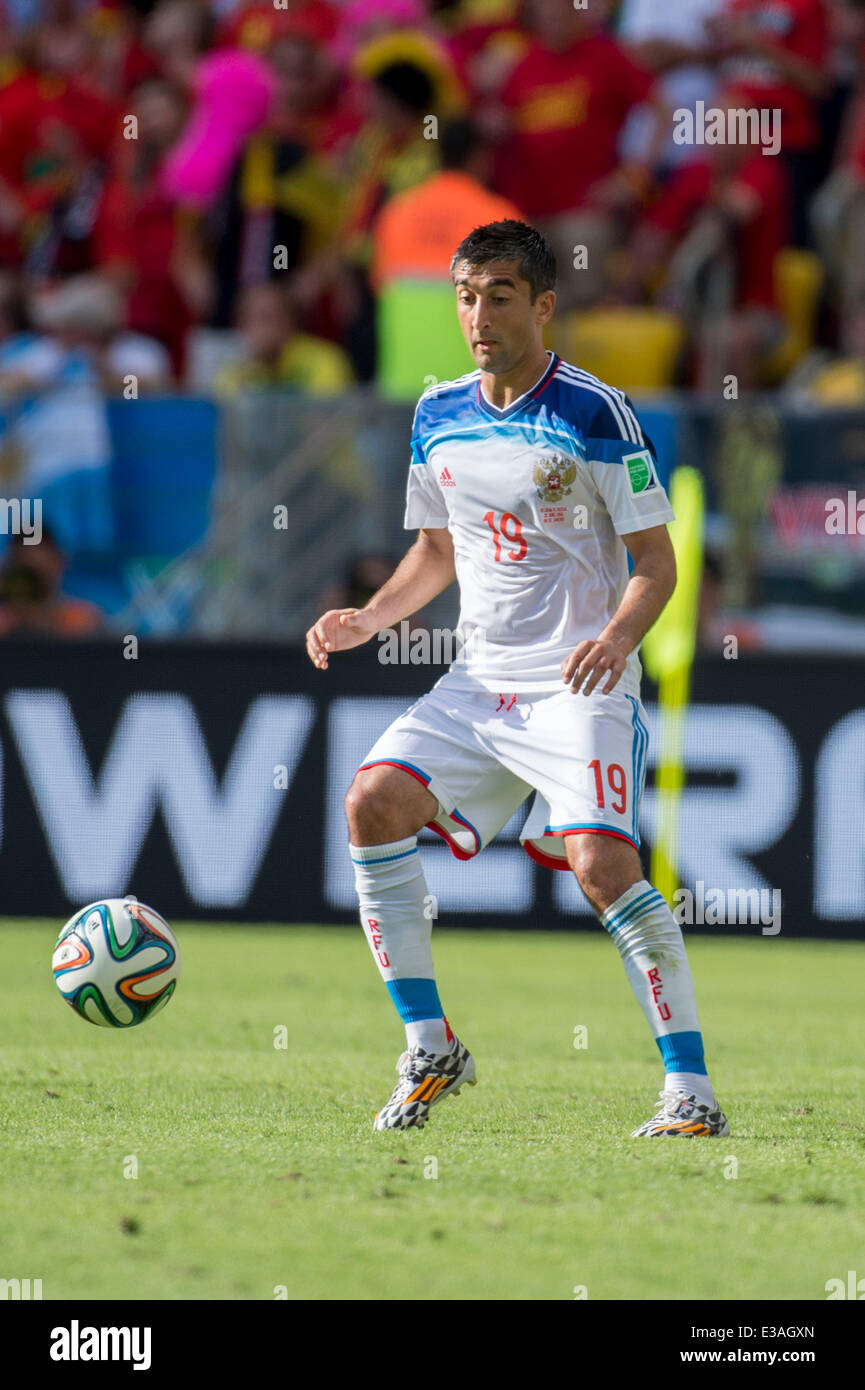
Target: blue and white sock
[
  {"x": 393, "y": 912},
  {"x": 653, "y": 952}
]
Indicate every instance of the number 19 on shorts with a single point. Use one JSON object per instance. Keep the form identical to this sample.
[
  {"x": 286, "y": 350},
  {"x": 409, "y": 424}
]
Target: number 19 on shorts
[{"x": 615, "y": 781}]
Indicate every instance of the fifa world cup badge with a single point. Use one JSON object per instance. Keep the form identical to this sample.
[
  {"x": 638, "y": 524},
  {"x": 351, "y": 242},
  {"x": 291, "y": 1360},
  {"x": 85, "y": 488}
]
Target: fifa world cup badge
[{"x": 641, "y": 474}]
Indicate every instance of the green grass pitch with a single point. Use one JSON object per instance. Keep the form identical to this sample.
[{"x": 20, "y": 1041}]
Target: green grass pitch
[{"x": 259, "y": 1174}]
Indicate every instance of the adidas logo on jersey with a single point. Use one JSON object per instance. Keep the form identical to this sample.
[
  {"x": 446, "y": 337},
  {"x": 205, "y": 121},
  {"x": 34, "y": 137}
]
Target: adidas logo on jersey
[{"x": 445, "y": 479}]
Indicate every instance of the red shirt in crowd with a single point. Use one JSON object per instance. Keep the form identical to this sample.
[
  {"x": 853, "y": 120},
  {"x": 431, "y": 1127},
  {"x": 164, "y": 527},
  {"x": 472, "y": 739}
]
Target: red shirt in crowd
[
  {"x": 258, "y": 25},
  {"x": 758, "y": 241},
  {"x": 802, "y": 28},
  {"x": 48, "y": 126},
  {"x": 567, "y": 111},
  {"x": 475, "y": 43},
  {"x": 137, "y": 228}
]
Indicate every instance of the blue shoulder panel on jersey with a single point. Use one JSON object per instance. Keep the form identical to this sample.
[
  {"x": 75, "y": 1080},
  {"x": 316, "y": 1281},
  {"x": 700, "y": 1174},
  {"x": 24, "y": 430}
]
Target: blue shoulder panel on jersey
[
  {"x": 603, "y": 416},
  {"x": 613, "y": 450},
  {"x": 451, "y": 404},
  {"x": 573, "y": 407}
]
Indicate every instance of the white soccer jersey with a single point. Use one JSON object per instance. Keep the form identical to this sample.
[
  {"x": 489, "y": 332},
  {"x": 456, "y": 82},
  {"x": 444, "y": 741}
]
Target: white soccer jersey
[{"x": 535, "y": 497}]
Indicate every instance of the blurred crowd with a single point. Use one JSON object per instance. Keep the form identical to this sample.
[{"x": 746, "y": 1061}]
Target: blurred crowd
[
  {"x": 172, "y": 166},
  {"x": 221, "y": 196}
]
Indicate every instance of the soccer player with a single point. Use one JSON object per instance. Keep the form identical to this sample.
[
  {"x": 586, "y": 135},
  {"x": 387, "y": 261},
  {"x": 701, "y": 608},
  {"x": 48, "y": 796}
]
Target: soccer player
[{"x": 530, "y": 481}]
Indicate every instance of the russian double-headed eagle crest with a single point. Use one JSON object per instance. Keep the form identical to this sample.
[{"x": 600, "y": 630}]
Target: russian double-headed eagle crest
[{"x": 553, "y": 477}]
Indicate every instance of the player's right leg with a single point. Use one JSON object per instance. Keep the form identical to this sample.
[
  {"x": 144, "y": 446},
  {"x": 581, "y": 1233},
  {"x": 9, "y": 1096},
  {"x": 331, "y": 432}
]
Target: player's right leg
[
  {"x": 431, "y": 767},
  {"x": 386, "y": 807}
]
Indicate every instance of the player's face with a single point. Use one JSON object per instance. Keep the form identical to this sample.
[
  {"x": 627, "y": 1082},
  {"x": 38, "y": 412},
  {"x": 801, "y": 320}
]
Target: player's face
[{"x": 499, "y": 321}]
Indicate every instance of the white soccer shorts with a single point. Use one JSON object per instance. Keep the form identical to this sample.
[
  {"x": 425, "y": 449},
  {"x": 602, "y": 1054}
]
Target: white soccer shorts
[{"x": 482, "y": 753}]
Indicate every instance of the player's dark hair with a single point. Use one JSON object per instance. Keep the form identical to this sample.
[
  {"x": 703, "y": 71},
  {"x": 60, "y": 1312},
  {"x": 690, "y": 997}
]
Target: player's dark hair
[{"x": 510, "y": 240}]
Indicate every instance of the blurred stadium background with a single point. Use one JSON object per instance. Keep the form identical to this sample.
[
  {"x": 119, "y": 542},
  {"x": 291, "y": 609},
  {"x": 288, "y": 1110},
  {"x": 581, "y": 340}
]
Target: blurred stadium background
[{"x": 224, "y": 239}]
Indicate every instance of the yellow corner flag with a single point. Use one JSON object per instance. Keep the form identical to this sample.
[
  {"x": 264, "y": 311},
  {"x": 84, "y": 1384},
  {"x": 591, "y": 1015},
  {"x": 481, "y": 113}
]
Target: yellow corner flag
[{"x": 667, "y": 654}]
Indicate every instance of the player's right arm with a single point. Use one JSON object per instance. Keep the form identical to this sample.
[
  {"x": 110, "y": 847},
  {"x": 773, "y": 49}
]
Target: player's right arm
[{"x": 424, "y": 571}]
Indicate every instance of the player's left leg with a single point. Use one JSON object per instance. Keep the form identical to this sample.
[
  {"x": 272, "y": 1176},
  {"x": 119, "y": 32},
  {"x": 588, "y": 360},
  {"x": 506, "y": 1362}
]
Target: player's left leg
[
  {"x": 650, "y": 943},
  {"x": 587, "y": 760}
]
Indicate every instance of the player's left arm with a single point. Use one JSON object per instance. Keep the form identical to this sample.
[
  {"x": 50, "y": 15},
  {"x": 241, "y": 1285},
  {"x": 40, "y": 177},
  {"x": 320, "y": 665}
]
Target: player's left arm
[{"x": 647, "y": 593}]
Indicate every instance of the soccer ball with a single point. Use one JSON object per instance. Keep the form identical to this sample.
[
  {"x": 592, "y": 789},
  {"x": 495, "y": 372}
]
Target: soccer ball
[{"x": 116, "y": 962}]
